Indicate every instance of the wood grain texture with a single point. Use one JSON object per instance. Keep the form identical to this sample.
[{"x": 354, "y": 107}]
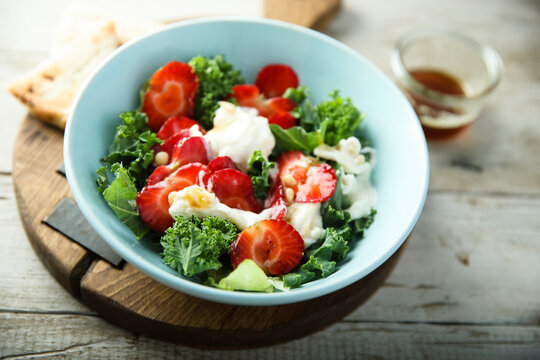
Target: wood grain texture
[
  {"x": 38, "y": 188},
  {"x": 89, "y": 337},
  {"x": 133, "y": 300},
  {"x": 308, "y": 13}
]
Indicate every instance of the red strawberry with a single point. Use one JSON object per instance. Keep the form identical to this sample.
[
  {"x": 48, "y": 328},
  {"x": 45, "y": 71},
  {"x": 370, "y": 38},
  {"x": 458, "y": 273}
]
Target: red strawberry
[
  {"x": 171, "y": 91},
  {"x": 159, "y": 174},
  {"x": 281, "y": 103},
  {"x": 274, "y": 245},
  {"x": 169, "y": 145},
  {"x": 181, "y": 151},
  {"x": 274, "y": 79},
  {"x": 318, "y": 186},
  {"x": 177, "y": 124},
  {"x": 234, "y": 189},
  {"x": 190, "y": 150},
  {"x": 293, "y": 167},
  {"x": 221, "y": 162},
  {"x": 250, "y": 96},
  {"x": 311, "y": 182},
  {"x": 276, "y": 201},
  {"x": 282, "y": 118},
  {"x": 153, "y": 200}
]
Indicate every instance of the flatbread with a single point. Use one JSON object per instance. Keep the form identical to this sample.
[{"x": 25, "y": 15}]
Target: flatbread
[{"x": 49, "y": 89}]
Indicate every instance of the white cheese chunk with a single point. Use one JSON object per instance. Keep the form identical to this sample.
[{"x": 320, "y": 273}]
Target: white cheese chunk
[
  {"x": 238, "y": 132},
  {"x": 346, "y": 153},
  {"x": 196, "y": 200},
  {"x": 306, "y": 219}
]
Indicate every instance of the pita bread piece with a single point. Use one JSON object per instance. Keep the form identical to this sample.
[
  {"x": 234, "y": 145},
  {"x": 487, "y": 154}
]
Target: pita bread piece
[{"x": 50, "y": 88}]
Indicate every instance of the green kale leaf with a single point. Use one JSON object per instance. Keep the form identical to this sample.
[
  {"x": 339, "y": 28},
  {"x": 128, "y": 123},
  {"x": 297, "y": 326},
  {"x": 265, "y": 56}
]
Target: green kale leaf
[
  {"x": 259, "y": 169},
  {"x": 298, "y": 95},
  {"x": 294, "y": 138},
  {"x": 216, "y": 80},
  {"x": 339, "y": 118},
  {"x": 121, "y": 196},
  {"x": 131, "y": 146},
  {"x": 322, "y": 257},
  {"x": 335, "y": 119},
  {"x": 193, "y": 246}
]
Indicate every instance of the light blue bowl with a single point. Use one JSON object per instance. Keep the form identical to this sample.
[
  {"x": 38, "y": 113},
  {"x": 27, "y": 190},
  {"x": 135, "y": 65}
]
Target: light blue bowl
[{"x": 323, "y": 64}]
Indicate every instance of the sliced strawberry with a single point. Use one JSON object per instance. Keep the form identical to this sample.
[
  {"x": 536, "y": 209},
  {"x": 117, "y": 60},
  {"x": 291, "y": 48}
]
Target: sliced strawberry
[
  {"x": 282, "y": 118},
  {"x": 171, "y": 92},
  {"x": 153, "y": 200},
  {"x": 190, "y": 150},
  {"x": 177, "y": 124},
  {"x": 159, "y": 174},
  {"x": 274, "y": 245},
  {"x": 234, "y": 189},
  {"x": 318, "y": 186},
  {"x": 276, "y": 201},
  {"x": 221, "y": 162},
  {"x": 250, "y": 96},
  {"x": 293, "y": 166},
  {"x": 281, "y": 103},
  {"x": 169, "y": 145},
  {"x": 311, "y": 182},
  {"x": 274, "y": 79}
]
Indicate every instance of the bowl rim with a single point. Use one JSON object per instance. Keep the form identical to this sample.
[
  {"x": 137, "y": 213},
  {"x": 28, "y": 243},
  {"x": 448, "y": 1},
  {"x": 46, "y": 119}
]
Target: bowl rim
[{"x": 203, "y": 291}]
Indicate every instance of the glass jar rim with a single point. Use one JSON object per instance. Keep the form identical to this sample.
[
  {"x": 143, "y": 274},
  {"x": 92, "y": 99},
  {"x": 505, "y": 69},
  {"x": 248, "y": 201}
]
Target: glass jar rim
[{"x": 489, "y": 55}]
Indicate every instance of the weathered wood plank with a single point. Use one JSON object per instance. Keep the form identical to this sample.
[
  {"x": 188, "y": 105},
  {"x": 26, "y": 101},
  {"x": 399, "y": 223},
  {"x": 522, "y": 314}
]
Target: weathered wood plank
[
  {"x": 26, "y": 285},
  {"x": 471, "y": 259},
  {"x": 72, "y": 336}
]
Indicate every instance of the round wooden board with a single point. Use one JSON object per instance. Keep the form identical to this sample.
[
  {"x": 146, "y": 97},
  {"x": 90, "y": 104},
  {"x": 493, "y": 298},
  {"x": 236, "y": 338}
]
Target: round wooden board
[{"x": 129, "y": 298}]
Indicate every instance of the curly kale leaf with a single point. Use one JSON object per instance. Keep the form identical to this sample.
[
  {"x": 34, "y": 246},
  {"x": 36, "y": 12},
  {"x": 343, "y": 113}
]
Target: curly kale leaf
[
  {"x": 322, "y": 258},
  {"x": 294, "y": 138},
  {"x": 339, "y": 118},
  {"x": 334, "y": 119},
  {"x": 216, "y": 80},
  {"x": 193, "y": 246},
  {"x": 259, "y": 169},
  {"x": 132, "y": 145}
]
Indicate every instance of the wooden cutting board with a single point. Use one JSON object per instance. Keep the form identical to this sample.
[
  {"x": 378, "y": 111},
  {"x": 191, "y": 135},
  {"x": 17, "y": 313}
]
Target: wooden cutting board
[{"x": 129, "y": 298}]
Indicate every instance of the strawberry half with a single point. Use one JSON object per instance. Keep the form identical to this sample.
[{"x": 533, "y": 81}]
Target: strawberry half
[
  {"x": 190, "y": 150},
  {"x": 274, "y": 79},
  {"x": 250, "y": 96},
  {"x": 221, "y": 162},
  {"x": 311, "y": 182},
  {"x": 282, "y": 118},
  {"x": 171, "y": 92},
  {"x": 274, "y": 245},
  {"x": 153, "y": 199},
  {"x": 177, "y": 124},
  {"x": 234, "y": 189}
]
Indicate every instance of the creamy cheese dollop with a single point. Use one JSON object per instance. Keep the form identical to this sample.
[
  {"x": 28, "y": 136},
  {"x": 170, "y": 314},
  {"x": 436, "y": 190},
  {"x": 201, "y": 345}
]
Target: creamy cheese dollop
[
  {"x": 346, "y": 153},
  {"x": 196, "y": 200},
  {"x": 238, "y": 132},
  {"x": 306, "y": 219},
  {"x": 360, "y": 192},
  {"x": 355, "y": 180}
]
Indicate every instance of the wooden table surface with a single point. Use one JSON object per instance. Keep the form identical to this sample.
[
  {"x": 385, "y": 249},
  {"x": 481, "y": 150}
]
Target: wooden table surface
[{"x": 468, "y": 283}]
